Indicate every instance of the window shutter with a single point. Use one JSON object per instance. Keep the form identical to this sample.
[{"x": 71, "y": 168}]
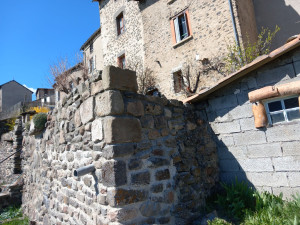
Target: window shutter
[
  {"x": 188, "y": 22},
  {"x": 173, "y": 31},
  {"x": 177, "y": 32},
  {"x": 260, "y": 115}
]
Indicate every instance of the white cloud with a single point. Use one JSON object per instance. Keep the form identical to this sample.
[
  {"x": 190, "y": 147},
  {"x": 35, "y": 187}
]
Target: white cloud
[{"x": 31, "y": 89}]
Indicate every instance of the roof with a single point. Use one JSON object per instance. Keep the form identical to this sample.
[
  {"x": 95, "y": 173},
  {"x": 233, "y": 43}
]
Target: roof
[
  {"x": 92, "y": 37},
  {"x": 43, "y": 89},
  {"x": 16, "y": 83},
  {"x": 257, "y": 63}
]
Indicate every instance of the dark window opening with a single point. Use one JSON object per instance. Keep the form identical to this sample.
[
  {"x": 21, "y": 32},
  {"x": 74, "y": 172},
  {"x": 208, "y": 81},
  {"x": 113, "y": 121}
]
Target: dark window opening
[
  {"x": 122, "y": 62},
  {"x": 120, "y": 24},
  {"x": 178, "y": 81}
]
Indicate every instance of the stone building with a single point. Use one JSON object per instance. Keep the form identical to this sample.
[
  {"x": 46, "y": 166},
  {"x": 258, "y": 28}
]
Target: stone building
[
  {"x": 12, "y": 93},
  {"x": 46, "y": 95},
  {"x": 166, "y": 36},
  {"x": 255, "y": 121}
]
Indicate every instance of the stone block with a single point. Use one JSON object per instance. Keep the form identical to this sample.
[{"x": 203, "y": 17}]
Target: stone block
[
  {"x": 288, "y": 192},
  {"x": 287, "y": 163},
  {"x": 284, "y": 132},
  {"x": 97, "y": 133},
  {"x": 87, "y": 110},
  {"x": 290, "y": 148},
  {"x": 249, "y": 138},
  {"x": 140, "y": 178},
  {"x": 122, "y": 215},
  {"x": 153, "y": 109},
  {"x": 96, "y": 87},
  {"x": 226, "y": 128},
  {"x": 153, "y": 134},
  {"x": 160, "y": 122},
  {"x": 109, "y": 103},
  {"x": 121, "y": 197},
  {"x": 114, "y": 151},
  {"x": 135, "y": 108},
  {"x": 278, "y": 74},
  {"x": 147, "y": 122},
  {"x": 241, "y": 111},
  {"x": 154, "y": 162},
  {"x": 135, "y": 164},
  {"x": 122, "y": 130},
  {"x": 157, "y": 188},
  {"x": 150, "y": 209},
  {"x": 256, "y": 165},
  {"x": 273, "y": 179},
  {"x": 119, "y": 79},
  {"x": 114, "y": 173},
  {"x": 264, "y": 150},
  {"x": 294, "y": 179},
  {"x": 162, "y": 174}
]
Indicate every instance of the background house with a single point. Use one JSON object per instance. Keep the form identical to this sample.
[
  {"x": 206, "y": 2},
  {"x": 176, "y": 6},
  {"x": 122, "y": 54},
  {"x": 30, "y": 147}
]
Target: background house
[
  {"x": 264, "y": 153},
  {"x": 46, "y": 95},
  {"x": 12, "y": 93}
]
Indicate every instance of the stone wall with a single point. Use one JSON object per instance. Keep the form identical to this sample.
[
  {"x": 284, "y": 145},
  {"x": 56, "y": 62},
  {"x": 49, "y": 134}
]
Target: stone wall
[
  {"x": 147, "y": 39},
  {"x": 268, "y": 157},
  {"x": 155, "y": 161}
]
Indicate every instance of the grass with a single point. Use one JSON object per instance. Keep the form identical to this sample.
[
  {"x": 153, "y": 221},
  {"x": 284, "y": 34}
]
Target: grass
[
  {"x": 13, "y": 216},
  {"x": 240, "y": 204}
]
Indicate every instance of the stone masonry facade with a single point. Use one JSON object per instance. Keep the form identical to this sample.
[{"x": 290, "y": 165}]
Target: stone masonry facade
[
  {"x": 154, "y": 158},
  {"x": 147, "y": 38},
  {"x": 268, "y": 158}
]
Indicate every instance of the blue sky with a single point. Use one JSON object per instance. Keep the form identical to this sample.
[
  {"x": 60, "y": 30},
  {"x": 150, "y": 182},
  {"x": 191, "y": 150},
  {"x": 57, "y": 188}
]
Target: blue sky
[{"x": 35, "y": 34}]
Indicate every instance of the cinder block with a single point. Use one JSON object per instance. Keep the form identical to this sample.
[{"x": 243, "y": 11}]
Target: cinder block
[
  {"x": 232, "y": 152},
  {"x": 119, "y": 79},
  {"x": 290, "y": 148},
  {"x": 122, "y": 130},
  {"x": 273, "y": 76},
  {"x": 264, "y": 150},
  {"x": 249, "y": 138},
  {"x": 288, "y": 163},
  {"x": 287, "y": 191},
  {"x": 87, "y": 110},
  {"x": 294, "y": 179},
  {"x": 284, "y": 132},
  {"x": 273, "y": 179},
  {"x": 97, "y": 132},
  {"x": 225, "y": 140},
  {"x": 241, "y": 111},
  {"x": 226, "y": 128},
  {"x": 228, "y": 165},
  {"x": 224, "y": 102},
  {"x": 109, "y": 103},
  {"x": 247, "y": 124},
  {"x": 256, "y": 165}
]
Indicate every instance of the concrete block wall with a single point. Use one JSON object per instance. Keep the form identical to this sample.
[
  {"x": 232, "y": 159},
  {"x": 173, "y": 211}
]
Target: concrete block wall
[
  {"x": 155, "y": 161},
  {"x": 269, "y": 158}
]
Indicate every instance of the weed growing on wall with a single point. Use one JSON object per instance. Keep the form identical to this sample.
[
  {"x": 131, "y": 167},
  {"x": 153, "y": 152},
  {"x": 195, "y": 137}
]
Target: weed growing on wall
[
  {"x": 10, "y": 123},
  {"x": 239, "y": 56}
]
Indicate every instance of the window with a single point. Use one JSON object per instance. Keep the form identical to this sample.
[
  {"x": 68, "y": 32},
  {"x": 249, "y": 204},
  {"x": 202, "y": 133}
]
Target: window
[
  {"x": 91, "y": 65},
  {"x": 283, "y": 110},
  {"x": 120, "y": 24},
  {"x": 91, "y": 47},
  {"x": 122, "y": 61},
  {"x": 180, "y": 27},
  {"x": 178, "y": 81}
]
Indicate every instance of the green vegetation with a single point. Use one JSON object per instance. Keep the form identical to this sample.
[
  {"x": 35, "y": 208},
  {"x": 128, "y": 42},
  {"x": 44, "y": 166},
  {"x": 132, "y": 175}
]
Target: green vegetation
[
  {"x": 13, "y": 216},
  {"x": 10, "y": 124},
  {"x": 39, "y": 121},
  {"x": 27, "y": 125},
  {"x": 239, "y": 204},
  {"x": 239, "y": 56}
]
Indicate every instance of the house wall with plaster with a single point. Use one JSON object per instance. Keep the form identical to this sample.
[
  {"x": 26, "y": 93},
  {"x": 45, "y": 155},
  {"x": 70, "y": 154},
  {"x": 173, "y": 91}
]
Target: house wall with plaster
[{"x": 269, "y": 157}]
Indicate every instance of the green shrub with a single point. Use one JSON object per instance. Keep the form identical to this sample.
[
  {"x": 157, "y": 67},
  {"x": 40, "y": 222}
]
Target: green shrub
[
  {"x": 10, "y": 213},
  {"x": 237, "y": 199},
  {"x": 39, "y": 121},
  {"x": 218, "y": 221}
]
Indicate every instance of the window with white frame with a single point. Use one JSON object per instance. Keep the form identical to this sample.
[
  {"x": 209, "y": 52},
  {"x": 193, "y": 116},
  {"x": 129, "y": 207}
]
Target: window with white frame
[
  {"x": 181, "y": 26},
  {"x": 282, "y": 110}
]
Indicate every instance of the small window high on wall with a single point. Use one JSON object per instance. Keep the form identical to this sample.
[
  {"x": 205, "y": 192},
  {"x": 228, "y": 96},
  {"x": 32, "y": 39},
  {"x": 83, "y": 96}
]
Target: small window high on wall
[
  {"x": 122, "y": 61},
  {"x": 282, "y": 110},
  {"x": 120, "y": 23},
  {"x": 178, "y": 81},
  {"x": 180, "y": 26}
]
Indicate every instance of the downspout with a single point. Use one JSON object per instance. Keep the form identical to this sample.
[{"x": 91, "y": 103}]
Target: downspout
[{"x": 234, "y": 24}]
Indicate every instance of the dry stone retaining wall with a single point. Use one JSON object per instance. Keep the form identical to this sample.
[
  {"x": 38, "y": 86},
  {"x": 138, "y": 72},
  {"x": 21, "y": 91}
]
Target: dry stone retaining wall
[{"x": 155, "y": 162}]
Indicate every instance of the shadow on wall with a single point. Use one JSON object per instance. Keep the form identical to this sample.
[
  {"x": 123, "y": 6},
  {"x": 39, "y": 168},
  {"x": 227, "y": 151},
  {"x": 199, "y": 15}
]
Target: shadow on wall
[{"x": 284, "y": 13}]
